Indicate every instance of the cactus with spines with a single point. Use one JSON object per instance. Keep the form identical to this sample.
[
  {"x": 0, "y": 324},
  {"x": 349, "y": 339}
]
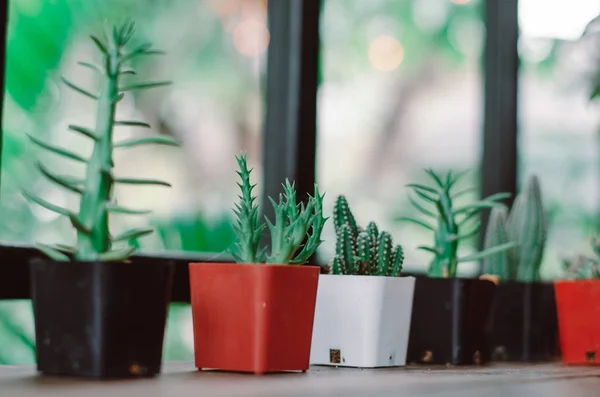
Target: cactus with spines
[
  {"x": 583, "y": 267},
  {"x": 363, "y": 252},
  {"x": 526, "y": 225},
  {"x": 453, "y": 223},
  {"x": 295, "y": 232},
  {"x": 498, "y": 264},
  {"x": 94, "y": 240}
]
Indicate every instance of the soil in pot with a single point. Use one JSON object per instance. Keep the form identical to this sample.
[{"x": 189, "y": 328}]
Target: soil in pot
[
  {"x": 578, "y": 308},
  {"x": 523, "y": 325},
  {"x": 254, "y": 318},
  {"x": 448, "y": 321},
  {"x": 362, "y": 321},
  {"x": 100, "y": 319}
]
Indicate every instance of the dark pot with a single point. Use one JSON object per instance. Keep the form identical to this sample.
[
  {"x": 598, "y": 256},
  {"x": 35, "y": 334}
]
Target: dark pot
[
  {"x": 523, "y": 325},
  {"x": 100, "y": 319},
  {"x": 448, "y": 321}
]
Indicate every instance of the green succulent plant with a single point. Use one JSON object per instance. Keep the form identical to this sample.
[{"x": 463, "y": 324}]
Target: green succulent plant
[
  {"x": 295, "y": 233},
  {"x": 527, "y": 227},
  {"x": 362, "y": 252},
  {"x": 453, "y": 223},
  {"x": 94, "y": 240},
  {"x": 584, "y": 268}
]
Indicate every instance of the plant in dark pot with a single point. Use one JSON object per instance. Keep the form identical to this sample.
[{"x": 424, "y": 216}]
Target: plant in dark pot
[
  {"x": 522, "y": 325},
  {"x": 364, "y": 287},
  {"x": 97, "y": 312},
  {"x": 258, "y": 317},
  {"x": 578, "y": 310},
  {"x": 449, "y": 313}
]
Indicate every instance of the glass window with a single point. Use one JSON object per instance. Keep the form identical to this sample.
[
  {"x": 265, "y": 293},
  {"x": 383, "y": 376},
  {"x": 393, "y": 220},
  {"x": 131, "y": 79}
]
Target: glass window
[
  {"x": 215, "y": 57},
  {"x": 401, "y": 91},
  {"x": 558, "y": 125}
]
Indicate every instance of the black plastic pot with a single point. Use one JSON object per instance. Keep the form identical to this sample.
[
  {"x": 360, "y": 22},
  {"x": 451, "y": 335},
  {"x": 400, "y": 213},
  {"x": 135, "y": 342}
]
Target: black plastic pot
[
  {"x": 448, "y": 321},
  {"x": 100, "y": 319},
  {"x": 523, "y": 325}
]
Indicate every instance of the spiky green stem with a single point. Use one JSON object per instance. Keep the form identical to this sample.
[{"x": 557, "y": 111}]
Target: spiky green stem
[{"x": 498, "y": 264}]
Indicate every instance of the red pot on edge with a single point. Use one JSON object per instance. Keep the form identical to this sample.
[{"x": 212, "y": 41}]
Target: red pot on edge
[
  {"x": 253, "y": 317},
  {"x": 578, "y": 309}
]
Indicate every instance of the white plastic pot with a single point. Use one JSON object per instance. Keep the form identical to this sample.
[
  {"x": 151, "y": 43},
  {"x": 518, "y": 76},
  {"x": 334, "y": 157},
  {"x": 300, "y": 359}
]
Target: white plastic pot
[{"x": 362, "y": 321}]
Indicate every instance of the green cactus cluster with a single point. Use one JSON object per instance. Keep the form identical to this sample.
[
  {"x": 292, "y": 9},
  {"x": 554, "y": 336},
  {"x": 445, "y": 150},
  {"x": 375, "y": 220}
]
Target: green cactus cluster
[
  {"x": 363, "y": 252},
  {"x": 94, "y": 240},
  {"x": 453, "y": 223},
  {"x": 526, "y": 225},
  {"x": 295, "y": 233},
  {"x": 583, "y": 267}
]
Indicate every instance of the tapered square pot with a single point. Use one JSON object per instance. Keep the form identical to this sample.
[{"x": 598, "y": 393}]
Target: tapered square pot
[
  {"x": 362, "y": 321},
  {"x": 578, "y": 307},
  {"x": 523, "y": 325},
  {"x": 100, "y": 319},
  {"x": 254, "y": 318},
  {"x": 448, "y": 321}
]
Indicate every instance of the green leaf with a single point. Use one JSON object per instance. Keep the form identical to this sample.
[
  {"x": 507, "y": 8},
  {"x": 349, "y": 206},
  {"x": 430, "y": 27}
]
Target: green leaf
[
  {"x": 485, "y": 253},
  {"x": 52, "y": 253},
  {"x": 133, "y": 123},
  {"x": 65, "y": 248},
  {"x": 463, "y": 192},
  {"x": 78, "y": 224},
  {"x": 79, "y": 89},
  {"x": 85, "y": 131},
  {"x": 127, "y": 71},
  {"x": 56, "y": 149},
  {"x": 135, "y": 181},
  {"x": 131, "y": 234},
  {"x": 45, "y": 204},
  {"x": 428, "y": 249},
  {"x": 122, "y": 210},
  {"x": 416, "y": 221},
  {"x": 423, "y": 187},
  {"x": 497, "y": 196},
  {"x": 420, "y": 208},
  {"x": 143, "y": 86},
  {"x": 117, "y": 255},
  {"x": 475, "y": 206},
  {"x": 91, "y": 66},
  {"x": 452, "y": 181},
  {"x": 59, "y": 180},
  {"x": 118, "y": 98},
  {"x": 426, "y": 197},
  {"x": 436, "y": 178},
  {"x": 158, "y": 140},
  {"x": 99, "y": 44}
]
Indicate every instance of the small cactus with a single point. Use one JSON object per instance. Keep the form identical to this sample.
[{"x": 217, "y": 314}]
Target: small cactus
[
  {"x": 495, "y": 234},
  {"x": 363, "y": 252},
  {"x": 527, "y": 227},
  {"x": 584, "y": 268},
  {"x": 296, "y": 233},
  {"x": 450, "y": 220}
]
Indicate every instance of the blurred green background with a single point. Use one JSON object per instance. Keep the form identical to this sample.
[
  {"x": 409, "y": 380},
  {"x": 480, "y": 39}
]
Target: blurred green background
[{"x": 401, "y": 89}]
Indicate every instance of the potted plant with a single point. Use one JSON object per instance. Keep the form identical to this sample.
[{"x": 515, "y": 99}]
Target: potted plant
[
  {"x": 449, "y": 313},
  {"x": 522, "y": 325},
  {"x": 98, "y": 314},
  {"x": 255, "y": 317},
  {"x": 578, "y": 309},
  {"x": 362, "y": 317}
]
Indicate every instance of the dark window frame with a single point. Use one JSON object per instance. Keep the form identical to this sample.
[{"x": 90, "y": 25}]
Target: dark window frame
[{"x": 289, "y": 143}]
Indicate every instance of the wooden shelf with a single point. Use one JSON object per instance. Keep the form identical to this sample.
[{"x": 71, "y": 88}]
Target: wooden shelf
[{"x": 181, "y": 379}]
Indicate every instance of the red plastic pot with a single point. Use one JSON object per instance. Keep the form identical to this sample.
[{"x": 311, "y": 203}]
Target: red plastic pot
[
  {"x": 253, "y": 317},
  {"x": 578, "y": 309}
]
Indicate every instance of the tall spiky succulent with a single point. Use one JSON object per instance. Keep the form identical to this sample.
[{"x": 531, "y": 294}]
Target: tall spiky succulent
[
  {"x": 94, "y": 241},
  {"x": 584, "y": 268},
  {"x": 527, "y": 227},
  {"x": 296, "y": 233},
  {"x": 363, "y": 252},
  {"x": 450, "y": 220}
]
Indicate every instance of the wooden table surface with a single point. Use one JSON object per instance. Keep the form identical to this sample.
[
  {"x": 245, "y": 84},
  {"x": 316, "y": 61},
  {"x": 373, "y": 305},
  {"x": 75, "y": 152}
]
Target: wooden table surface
[{"x": 180, "y": 379}]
